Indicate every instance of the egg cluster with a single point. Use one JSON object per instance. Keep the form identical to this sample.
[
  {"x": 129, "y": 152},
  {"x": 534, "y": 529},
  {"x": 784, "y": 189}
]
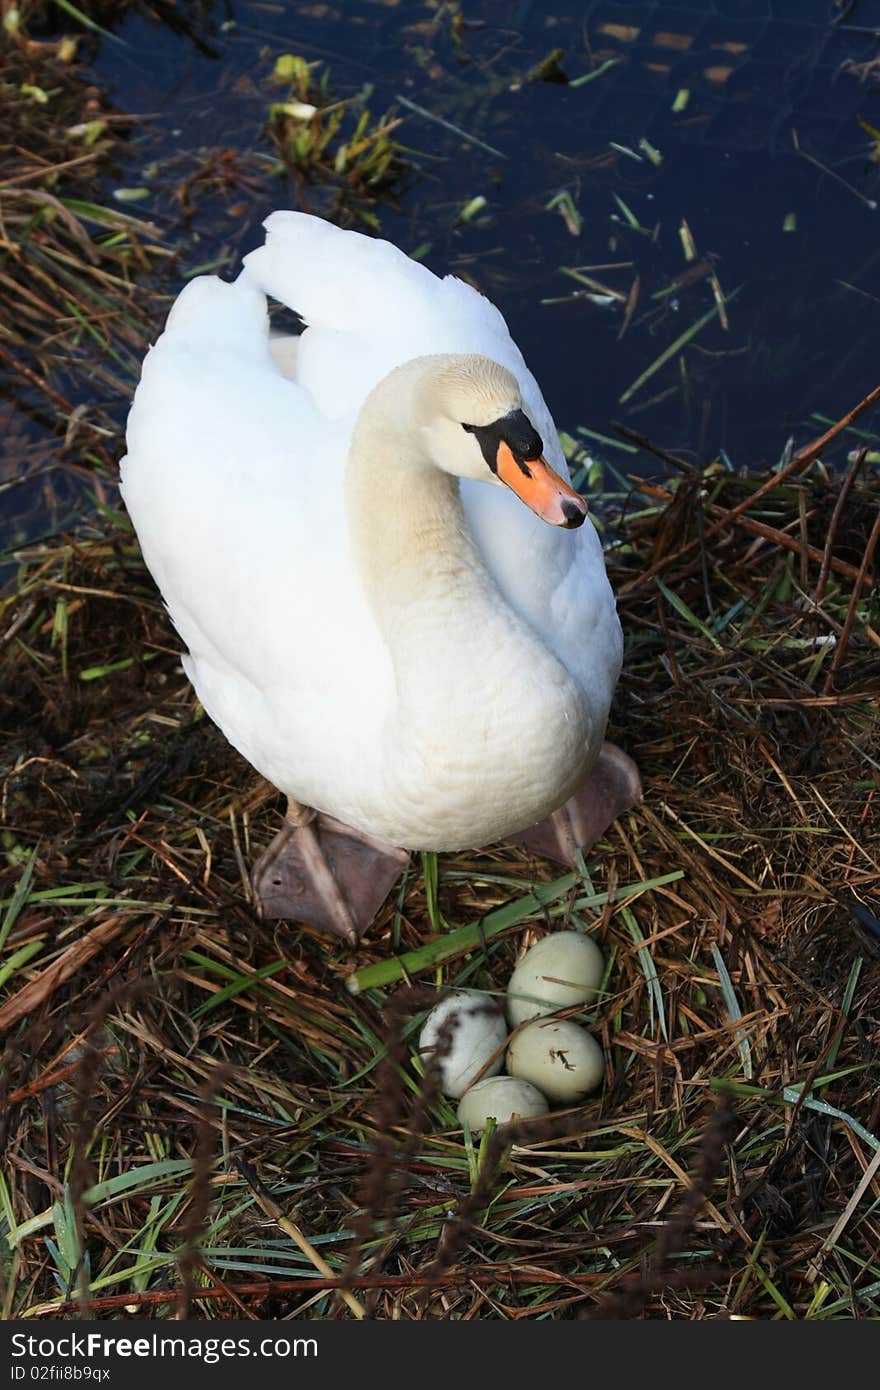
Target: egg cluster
[{"x": 547, "y": 1059}]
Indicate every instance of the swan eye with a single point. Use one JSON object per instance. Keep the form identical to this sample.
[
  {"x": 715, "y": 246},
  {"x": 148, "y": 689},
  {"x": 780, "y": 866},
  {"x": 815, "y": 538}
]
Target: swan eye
[{"x": 514, "y": 430}]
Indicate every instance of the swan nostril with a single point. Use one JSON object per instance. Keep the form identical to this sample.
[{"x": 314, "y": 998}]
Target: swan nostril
[{"x": 575, "y": 514}]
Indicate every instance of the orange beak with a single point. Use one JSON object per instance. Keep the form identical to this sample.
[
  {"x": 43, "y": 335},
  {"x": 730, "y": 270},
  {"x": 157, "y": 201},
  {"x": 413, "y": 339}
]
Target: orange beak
[{"x": 535, "y": 482}]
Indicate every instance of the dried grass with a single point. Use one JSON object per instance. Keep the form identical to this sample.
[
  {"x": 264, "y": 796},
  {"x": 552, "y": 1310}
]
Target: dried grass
[{"x": 750, "y": 973}]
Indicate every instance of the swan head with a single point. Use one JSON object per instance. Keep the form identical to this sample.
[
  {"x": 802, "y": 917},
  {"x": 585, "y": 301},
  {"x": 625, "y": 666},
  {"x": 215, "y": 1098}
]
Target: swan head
[{"x": 474, "y": 426}]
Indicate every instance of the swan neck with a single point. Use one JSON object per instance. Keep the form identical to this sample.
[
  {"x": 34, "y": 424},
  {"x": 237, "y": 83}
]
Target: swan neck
[
  {"x": 404, "y": 513},
  {"x": 475, "y": 688},
  {"x": 435, "y": 603}
]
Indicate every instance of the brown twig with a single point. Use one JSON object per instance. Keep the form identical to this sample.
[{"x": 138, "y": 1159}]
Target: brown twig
[
  {"x": 845, "y": 490},
  {"x": 291, "y": 1229},
  {"x": 674, "y": 1233},
  {"x": 861, "y": 582},
  {"x": 781, "y": 538},
  {"x": 190, "y": 1258},
  {"x": 44, "y": 985},
  {"x": 644, "y": 443},
  {"x": 798, "y": 463},
  {"x": 484, "y": 1276},
  {"x": 801, "y": 460}
]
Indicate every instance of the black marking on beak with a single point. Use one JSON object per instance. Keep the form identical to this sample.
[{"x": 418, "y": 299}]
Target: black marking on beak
[
  {"x": 517, "y": 432},
  {"x": 573, "y": 515}
]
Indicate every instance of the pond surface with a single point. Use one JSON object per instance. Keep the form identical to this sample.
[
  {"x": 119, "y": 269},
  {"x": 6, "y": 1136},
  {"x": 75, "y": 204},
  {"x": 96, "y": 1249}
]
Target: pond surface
[{"x": 684, "y": 236}]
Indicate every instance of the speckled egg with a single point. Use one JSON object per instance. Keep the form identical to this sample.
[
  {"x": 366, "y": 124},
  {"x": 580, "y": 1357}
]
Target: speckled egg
[{"x": 478, "y": 1030}]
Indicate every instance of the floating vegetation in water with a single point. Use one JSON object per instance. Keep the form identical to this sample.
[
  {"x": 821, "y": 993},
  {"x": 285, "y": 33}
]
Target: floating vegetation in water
[
  {"x": 564, "y": 204},
  {"x": 93, "y": 19},
  {"x": 336, "y": 142}
]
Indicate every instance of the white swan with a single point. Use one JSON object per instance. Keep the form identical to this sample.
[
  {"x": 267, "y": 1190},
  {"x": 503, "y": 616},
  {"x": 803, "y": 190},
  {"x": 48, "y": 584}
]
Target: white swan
[{"x": 372, "y": 618}]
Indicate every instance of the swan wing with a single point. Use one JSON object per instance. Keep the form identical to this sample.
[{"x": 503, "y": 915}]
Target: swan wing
[
  {"x": 234, "y": 480},
  {"x": 369, "y": 308}
]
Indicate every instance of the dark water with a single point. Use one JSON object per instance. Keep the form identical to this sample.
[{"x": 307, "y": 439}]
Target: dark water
[{"x": 720, "y": 91}]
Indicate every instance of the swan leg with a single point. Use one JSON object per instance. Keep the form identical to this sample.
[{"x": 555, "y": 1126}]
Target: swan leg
[
  {"x": 326, "y": 874},
  {"x": 612, "y": 787}
]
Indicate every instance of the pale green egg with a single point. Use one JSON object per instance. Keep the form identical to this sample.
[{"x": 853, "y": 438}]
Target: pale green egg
[
  {"x": 500, "y": 1098},
  {"x": 562, "y": 1059},
  {"x": 560, "y": 970}
]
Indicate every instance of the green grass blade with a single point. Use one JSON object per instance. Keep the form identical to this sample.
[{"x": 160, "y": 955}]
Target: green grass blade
[
  {"x": 462, "y": 939},
  {"x": 646, "y": 960},
  {"x": 846, "y": 1005},
  {"x": 20, "y": 958},
  {"x": 792, "y": 1095},
  {"x": 731, "y": 1003},
  {"x": 675, "y": 348},
  {"x": 19, "y": 897},
  {"x": 106, "y": 1191},
  {"x": 688, "y": 614}
]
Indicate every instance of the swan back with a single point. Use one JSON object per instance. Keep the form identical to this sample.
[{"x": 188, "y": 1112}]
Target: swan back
[
  {"x": 235, "y": 483},
  {"x": 368, "y": 309}
]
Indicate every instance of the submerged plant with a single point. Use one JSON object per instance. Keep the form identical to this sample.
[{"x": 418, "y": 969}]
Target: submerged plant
[{"x": 338, "y": 143}]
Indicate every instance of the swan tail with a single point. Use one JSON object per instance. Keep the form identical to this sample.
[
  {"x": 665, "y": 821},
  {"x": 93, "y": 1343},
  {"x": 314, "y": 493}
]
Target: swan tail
[
  {"x": 367, "y": 307},
  {"x": 350, "y": 282}
]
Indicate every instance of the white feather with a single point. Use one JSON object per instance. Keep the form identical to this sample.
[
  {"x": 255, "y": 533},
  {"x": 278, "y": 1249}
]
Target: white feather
[{"x": 234, "y": 478}]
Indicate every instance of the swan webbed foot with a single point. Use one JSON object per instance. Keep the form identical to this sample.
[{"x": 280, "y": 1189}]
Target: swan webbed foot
[
  {"x": 325, "y": 874},
  {"x": 610, "y": 788}
]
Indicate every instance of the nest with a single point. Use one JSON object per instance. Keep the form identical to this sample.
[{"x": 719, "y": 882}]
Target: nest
[{"x": 170, "y": 1054}]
